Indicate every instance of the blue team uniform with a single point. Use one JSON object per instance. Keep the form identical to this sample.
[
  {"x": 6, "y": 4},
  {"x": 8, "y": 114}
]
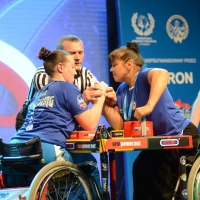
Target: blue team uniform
[
  {"x": 51, "y": 117},
  {"x": 166, "y": 118}
]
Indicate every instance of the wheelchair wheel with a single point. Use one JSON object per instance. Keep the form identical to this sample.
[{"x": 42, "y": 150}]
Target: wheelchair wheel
[
  {"x": 193, "y": 185},
  {"x": 60, "y": 180}
]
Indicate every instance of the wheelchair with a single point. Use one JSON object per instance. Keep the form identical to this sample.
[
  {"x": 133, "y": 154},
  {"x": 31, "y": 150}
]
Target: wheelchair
[
  {"x": 23, "y": 165},
  {"x": 193, "y": 184},
  {"x": 191, "y": 168}
]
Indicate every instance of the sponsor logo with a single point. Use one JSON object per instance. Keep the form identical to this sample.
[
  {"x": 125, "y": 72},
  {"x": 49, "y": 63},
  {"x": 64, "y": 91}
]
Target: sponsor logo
[
  {"x": 88, "y": 135},
  {"x": 127, "y": 144},
  {"x": 177, "y": 28},
  {"x": 184, "y": 108},
  {"x": 86, "y": 146},
  {"x": 169, "y": 142},
  {"x": 143, "y": 26},
  {"x": 117, "y": 134},
  {"x": 181, "y": 78},
  {"x": 137, "y": 143},
  {"x": 70, "y": 146}
]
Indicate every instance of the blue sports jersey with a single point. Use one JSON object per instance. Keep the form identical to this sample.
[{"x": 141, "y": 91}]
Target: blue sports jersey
[
  {"x": 51, "y": 113},
  {"x": 166, "y": 118}
]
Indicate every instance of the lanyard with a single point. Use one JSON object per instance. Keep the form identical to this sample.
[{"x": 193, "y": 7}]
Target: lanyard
[{"x": 127, "y": 114}]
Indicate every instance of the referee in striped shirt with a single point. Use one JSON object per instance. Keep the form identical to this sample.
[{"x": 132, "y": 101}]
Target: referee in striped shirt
[{"x": 84, "y": 77}]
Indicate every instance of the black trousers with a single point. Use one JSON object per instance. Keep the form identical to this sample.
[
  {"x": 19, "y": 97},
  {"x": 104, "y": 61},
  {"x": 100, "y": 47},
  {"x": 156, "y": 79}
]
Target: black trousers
[{"x": 155, "y": 172}]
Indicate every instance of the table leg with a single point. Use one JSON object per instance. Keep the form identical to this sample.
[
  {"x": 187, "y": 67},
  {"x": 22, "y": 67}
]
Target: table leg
[
  {"x": 112, "y": 165},
  {"x": 104, "y": 175}
]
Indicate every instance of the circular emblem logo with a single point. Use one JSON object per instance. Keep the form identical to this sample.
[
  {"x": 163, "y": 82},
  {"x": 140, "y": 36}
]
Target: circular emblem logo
[
  {"x": 143, "y": 25},
  {"x": 177, "y": 28}
]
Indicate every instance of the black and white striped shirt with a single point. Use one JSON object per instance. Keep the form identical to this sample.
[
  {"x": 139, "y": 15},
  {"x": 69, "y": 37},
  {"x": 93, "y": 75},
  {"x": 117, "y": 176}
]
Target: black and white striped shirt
[{"x": 82, "y": 80}]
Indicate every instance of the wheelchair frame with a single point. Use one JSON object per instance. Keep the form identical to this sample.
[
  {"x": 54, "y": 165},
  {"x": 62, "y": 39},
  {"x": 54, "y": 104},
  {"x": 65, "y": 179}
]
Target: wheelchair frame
[{"x": 56, "y": 180}]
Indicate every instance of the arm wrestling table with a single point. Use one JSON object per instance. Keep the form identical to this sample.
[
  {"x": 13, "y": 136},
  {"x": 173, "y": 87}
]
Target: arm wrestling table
[{"x": 101, "y": 142}]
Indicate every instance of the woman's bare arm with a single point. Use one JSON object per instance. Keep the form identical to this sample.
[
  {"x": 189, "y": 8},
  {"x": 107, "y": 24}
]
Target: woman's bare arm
[{"x": 195, "y": 114}]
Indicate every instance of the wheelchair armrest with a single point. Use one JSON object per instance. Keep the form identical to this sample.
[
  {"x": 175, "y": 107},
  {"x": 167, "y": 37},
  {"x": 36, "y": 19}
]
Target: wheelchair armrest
[
  {"x": 32, "y": 141},
  {"x": 20, "y": 158}
]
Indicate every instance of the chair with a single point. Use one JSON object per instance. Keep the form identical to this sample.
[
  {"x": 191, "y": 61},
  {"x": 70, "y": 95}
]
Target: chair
[
  {"x": 20, "y": 162},
  {"x": 23, "y": 165}
]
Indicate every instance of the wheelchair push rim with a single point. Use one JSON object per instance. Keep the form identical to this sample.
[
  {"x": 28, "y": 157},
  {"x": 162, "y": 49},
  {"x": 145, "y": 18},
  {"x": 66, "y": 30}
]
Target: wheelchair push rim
[{"x": 60, "y": 180}]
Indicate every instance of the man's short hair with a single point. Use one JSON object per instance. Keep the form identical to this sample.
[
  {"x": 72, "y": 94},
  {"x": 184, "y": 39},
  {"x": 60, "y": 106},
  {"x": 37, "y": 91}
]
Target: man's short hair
[{"x": 72, "y": 38}]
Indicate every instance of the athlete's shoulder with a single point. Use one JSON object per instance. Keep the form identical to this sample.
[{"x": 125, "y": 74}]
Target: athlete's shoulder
[
  {"x": 145, "y": 70},
  {"x": 123, "y": 86},
  {"x": 68, "y": 86},
  {"x": 143, "y": 73}
]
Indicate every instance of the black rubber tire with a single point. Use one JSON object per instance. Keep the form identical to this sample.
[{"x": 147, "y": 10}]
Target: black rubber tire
[
  {"x": 193, "y": 176},
  {"x": 54, "y": 171}
]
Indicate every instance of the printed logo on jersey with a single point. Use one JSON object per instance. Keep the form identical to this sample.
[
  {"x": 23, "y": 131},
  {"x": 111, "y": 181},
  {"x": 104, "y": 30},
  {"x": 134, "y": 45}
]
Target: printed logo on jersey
[
  {"x": 185, "y": 108},
  {"x": 81, "y": 102},
  {"x": 46, "y": 101},
  {"x": 134, "y": 105},
  {"x": 143, "y": 26},
  {"x": 177, "y": 28}
]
